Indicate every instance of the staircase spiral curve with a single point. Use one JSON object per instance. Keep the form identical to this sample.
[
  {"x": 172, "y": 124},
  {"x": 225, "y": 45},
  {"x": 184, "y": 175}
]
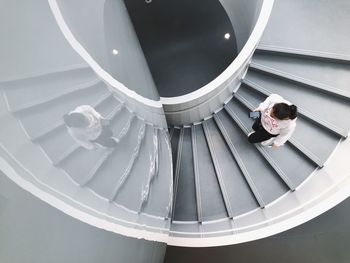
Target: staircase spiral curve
[{"x": 201, "y": 183}]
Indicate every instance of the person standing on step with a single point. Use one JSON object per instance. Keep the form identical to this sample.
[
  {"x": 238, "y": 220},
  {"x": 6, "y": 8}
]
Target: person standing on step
[
  {"x": 89, "y": 129},
  {"x": 276, "y": 123}
]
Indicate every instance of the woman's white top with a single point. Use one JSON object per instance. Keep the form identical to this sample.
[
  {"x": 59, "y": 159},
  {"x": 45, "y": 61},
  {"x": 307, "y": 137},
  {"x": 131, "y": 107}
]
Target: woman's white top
[
  {"x": 85, "y": 135},
  {"x": 284, "y": 128}
]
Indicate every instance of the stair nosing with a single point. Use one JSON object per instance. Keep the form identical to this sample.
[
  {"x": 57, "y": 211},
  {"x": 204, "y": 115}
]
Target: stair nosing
[
  {"x": 48, "y": 99},
  {"x": 218, "y": 172},
  {"x": 196, "y": 174},
  {"x": 177, "y": 171},
  {"x": 131, "y": 163},
  {"x": 300, "y": 80},
  {"x": 34, "y": 75},
  {"x": 152, "y": 172},
  {"x": 240, "y": 162},
  {"x": 320, "y": 55},
  {"x": 92, "y": 172}
]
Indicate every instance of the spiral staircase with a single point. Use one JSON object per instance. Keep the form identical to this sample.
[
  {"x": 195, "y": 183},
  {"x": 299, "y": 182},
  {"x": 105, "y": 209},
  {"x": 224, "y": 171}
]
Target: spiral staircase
[{"x": 199, "y": 183}]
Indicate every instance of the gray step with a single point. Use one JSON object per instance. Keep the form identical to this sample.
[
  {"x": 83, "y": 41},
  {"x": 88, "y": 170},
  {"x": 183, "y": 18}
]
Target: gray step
[
  {"x": 210, "y": 203},
  {"x": 334, "y": 111},
  {"x": 75, "y": 70},
  {"x": 319, "y": 26},
  {"x": 129, "y": 193},
  {"x": 185, "y": 204},
  {"x": 160, "y": 197},
  {"x": 153, "y": 170},
  {"x": 15, "y": 104},
  {"x": 121, "y": 131},
  {"x": 74, "y": 162},
  {"x": 302, "y": 53},
  {"x": 60, "y": 144},
  {"x": 174, "y": 137},
  {"x": 37, "y": 121},
  {"x": 115, "y": 171},
  {"x": 27, "y": 91},
  {"x": 174, "y": 140},
  {"x": 237, "y": 195},
  {"x": 322, "y": 76},
  {"x": 82, "y": 164},
  {"x": 307, "y": 133},
  {"x": 263, "y": 180}
]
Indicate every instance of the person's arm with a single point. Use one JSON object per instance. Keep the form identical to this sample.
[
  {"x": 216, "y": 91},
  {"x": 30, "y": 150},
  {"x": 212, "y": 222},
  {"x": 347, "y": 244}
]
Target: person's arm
[
  {"x": 272, "y": 99},
  {"x": 97, "y": 115},
  {"x": 284, "y": 135}
]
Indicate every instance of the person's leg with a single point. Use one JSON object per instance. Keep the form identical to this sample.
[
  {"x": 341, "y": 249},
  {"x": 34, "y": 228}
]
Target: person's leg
[
  {"x": 259, "y": 136},
  {"x": 106, "y": 138},
  {"x": 257, "y": 125}
]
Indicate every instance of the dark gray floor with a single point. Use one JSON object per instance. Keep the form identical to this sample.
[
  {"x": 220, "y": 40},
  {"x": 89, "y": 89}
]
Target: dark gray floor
[
  {"x": 322, "y": 240},
  {"x": 183, "y": 42}
]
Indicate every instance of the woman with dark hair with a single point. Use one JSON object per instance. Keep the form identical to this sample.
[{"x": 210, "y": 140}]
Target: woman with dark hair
[{"x": 276, "y": 123}]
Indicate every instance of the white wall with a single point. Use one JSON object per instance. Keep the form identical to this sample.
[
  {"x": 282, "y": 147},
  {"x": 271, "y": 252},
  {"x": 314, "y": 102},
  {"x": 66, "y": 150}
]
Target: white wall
[
  {"x": 243, "y": 15},
  {"x": 103, "y": 25}
]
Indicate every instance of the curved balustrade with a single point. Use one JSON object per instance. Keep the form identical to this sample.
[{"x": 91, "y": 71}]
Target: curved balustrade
[
  {"x": 225, "y": 190},
  {"x": 200, "y": 104},
  {"x": 93, "y": 32},
  {"x": 102, "y": 34},
  {"x": 121, "y": 179}
]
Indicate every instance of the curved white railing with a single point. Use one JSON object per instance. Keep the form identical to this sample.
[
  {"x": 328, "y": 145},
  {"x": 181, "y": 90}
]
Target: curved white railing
[
  {"x": 226, "y": 82},
  {"x": 191, "y": 107}
]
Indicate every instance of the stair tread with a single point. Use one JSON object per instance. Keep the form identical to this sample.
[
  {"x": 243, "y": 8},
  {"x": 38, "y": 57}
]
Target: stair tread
[
  {"x": 109, "y": 176},
  {"x": 323, "y": 75},
  {"x": 239, "y": 198},
  {"x": 161, "y": 189},
  {"x": 185, "y": 208},
  {"x": 335, "y": 75},
  {"x": 130, "y": 194},
  {"x": 212, "y": 205},
  {"x": 302, "y": 53},
  {"x": 295, "y": 24},
  {"x": 22, "y": 99}
]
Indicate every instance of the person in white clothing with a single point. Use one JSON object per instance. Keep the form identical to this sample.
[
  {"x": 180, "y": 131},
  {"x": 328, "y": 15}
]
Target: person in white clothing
[
  {"x": 88, "y": 128},
  {"x": 276, "y": 123}
]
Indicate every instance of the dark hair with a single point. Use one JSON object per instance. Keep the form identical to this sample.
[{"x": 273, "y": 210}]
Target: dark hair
[
  {"x": 75, "y": 119},
  {"x": 284, "y": 111}
]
